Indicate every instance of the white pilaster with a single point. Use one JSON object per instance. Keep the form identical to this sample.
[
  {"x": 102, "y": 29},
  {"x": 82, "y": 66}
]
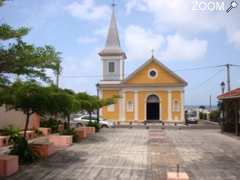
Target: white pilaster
[
  {"x": 122, "y": 104},
  {"x": 169, "y": 105},
  {"x": 136, "y": 105},
  {"x": 182, "y": 106}
]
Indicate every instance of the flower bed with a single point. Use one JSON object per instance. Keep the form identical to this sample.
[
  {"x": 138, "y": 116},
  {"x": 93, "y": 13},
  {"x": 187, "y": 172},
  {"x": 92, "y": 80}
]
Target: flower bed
[
  {"x": 61, "y": 140},
  {"x": 45, "y": 131},
  {"x": 43, "y": 149}
]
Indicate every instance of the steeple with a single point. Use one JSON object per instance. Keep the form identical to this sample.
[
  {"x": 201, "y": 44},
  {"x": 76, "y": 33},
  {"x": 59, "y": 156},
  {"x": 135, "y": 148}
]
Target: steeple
[{"x": 112, "y": 46}]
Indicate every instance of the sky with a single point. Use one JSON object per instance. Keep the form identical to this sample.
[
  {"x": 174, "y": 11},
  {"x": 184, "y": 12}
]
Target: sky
[{"x": 184, "y": 34}]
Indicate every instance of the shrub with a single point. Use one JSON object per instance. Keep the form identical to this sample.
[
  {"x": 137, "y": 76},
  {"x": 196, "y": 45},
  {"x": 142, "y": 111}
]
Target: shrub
[
  {"x": 38, "y": 132},
  {"x": 214, "y": 115},
  {"x": 22, "y": 149},
  {"x": 202, "y": 115},
  {"x": 50, "y": 123},
  {"x": 94, "y": 124},
  {"x": 71, "y": 131},
  {"x": 12, "y": 132}
]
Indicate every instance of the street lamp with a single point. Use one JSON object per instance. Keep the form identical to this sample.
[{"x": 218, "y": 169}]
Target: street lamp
[
  {"x": 223, "y": 86},
  {"x": 98, "y": 88}
]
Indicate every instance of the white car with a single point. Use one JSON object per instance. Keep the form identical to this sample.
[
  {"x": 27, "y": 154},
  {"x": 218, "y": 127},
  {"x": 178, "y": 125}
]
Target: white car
[{"x": 85, "y": 119}]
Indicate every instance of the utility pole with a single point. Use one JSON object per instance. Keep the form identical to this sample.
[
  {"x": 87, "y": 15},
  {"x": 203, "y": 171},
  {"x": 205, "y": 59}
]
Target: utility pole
[
  {"x": 57, "y": 80},
  {"x": 228, "y": 77},
  {"x": 210, "y": 102},
  {"x": 57, "y": 75}
]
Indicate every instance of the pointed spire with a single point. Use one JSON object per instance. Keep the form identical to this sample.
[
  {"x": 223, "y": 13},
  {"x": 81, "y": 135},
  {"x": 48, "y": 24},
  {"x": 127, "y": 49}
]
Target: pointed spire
[
  {"x": 113, "y": 37},
  {"x": 112, "y": 46}
]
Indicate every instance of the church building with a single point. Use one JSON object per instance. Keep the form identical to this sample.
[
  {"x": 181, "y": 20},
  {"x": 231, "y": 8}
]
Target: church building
[{"x": 151, "y": 93}]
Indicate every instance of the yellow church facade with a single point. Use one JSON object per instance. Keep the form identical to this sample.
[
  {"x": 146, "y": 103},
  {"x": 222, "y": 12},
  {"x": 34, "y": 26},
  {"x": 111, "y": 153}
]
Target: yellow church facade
[{"x": 151, "y": 93}]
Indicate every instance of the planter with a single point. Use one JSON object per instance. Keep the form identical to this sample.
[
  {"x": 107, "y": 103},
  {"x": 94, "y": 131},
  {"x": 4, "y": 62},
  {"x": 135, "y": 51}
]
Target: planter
[
  {"x": 29, "y": 134},
  {"x": 81, "y": 132},
  {"x": 43, "y": 149},
  {"x": 4, "y": 140},
  {"x": 90, "y": 130},
  {"x": 45, "y": 131},
  {"x": 177, "y": 176},
  {"x": 60, "y": 128},
  {"x": 60, "y": 140},
  {"x": 8, "y": 165}
]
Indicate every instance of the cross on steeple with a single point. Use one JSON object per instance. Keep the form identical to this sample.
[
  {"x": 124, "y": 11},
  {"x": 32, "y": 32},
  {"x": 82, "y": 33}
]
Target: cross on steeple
[{"x": 113, "y": 4}]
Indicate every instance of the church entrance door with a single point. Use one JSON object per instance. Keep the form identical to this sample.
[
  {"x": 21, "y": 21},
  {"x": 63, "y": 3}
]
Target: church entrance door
[{"x": 153, "y": 108}]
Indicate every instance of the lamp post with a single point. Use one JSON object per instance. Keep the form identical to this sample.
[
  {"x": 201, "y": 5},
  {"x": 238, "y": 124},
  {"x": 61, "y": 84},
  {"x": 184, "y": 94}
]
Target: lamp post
[
  {"x": 97, "y": 86},
  {"x": 223, "y": 86}
]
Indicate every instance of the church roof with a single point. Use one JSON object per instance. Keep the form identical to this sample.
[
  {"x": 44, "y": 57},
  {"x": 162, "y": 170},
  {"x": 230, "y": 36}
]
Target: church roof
[
  {"x": 112, "y": 46},
  {"x": 153, "y": 59}
]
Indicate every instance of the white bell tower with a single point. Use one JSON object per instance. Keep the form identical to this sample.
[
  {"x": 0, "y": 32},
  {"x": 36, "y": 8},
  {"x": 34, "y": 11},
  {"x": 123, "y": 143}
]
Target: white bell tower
[{"x": 112, "y": 55}]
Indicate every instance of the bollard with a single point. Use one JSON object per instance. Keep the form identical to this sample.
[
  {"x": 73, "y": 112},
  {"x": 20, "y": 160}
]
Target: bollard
[
  {"x": 163, "y": 124},
  {"x": 118, "y": 124},
  {"x": 130, "y": 125},
  {"x": 178, "y": 169}
]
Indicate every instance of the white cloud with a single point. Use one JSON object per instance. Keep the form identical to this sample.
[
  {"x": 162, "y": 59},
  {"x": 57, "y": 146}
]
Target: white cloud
[
  {"x": 87, "y": 40},
  {"x": 179, "y": 15},
  {"x": 88, "y": 10},
  {"x": 234, "y": 38},
  {"x": 139, "y": 42},
  {"x": 179, "y": 48}
]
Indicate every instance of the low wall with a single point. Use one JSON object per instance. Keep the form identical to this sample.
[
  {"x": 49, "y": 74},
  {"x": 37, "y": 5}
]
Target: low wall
[{"x": 15, "y": 118}]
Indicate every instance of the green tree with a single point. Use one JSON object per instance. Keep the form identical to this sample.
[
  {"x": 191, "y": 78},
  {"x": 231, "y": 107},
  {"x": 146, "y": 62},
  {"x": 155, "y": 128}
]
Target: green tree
[
  {"x": 22, "y": 59},
  {"x": 63, "y": 102},
  {"x": 27, "y": 97},
  {"x": 91, "y": 103}
]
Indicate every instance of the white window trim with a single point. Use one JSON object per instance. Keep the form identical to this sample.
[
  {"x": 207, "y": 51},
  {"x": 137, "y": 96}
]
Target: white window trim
[
  {"x": 174, "y": 108},
  {"x": 130, "y": 108},
  {"x": 111, "y": 108},
  {"x": 149, "y": 76}
]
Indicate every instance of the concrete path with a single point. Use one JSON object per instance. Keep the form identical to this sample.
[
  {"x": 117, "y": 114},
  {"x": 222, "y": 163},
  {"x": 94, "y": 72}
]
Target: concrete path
[{"x": 142, "y": 154}]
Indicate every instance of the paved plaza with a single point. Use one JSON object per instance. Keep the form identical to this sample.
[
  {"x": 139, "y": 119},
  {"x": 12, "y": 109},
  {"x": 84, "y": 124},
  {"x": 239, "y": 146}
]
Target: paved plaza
[{"x": 139, "y": 153}]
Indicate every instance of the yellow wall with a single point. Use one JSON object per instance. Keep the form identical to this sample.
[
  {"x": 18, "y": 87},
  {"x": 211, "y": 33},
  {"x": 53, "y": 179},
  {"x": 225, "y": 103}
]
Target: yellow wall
[
  {"x": 114, "y": 116},
  {"x": 176, "y": 95},
  {"x": 142, "y": 96},
  {"x": 164, "y": 104},
  {"x": 141, "y": 105},
  {"x": 129, "y": 115},
  {"x": 142, "y": 76}
]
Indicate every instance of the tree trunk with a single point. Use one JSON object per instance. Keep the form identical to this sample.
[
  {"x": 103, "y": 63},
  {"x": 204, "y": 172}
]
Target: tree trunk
[
  {"x": 26, "y": 124},
  {"x": 68, "y": 120},
  {"x": 90, "y": 115}
]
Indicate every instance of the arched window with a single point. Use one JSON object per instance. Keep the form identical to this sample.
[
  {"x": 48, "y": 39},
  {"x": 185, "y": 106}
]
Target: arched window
[
  {"x": 152, "y": 99},
  {"x": 130, "y": 106},
  {"x": 176, "y": 106}
]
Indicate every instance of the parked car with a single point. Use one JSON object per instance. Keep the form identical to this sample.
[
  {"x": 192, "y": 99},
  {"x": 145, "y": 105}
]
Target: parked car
[
  {"x": 191, "y": 119},
  {"x": 85, "y": 119}
]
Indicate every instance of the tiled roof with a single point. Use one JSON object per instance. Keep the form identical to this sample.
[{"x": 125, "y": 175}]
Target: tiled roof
[{"x": 229, "y": 95}]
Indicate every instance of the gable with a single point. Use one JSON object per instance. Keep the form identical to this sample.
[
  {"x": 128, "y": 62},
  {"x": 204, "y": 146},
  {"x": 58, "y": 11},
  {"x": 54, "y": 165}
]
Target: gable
[{"x": 163, "y": 75}]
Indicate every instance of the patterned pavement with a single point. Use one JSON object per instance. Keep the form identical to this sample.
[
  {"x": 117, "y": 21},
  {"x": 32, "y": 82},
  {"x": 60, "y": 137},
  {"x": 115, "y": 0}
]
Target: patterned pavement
[{"x": 142, "y": 154}]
